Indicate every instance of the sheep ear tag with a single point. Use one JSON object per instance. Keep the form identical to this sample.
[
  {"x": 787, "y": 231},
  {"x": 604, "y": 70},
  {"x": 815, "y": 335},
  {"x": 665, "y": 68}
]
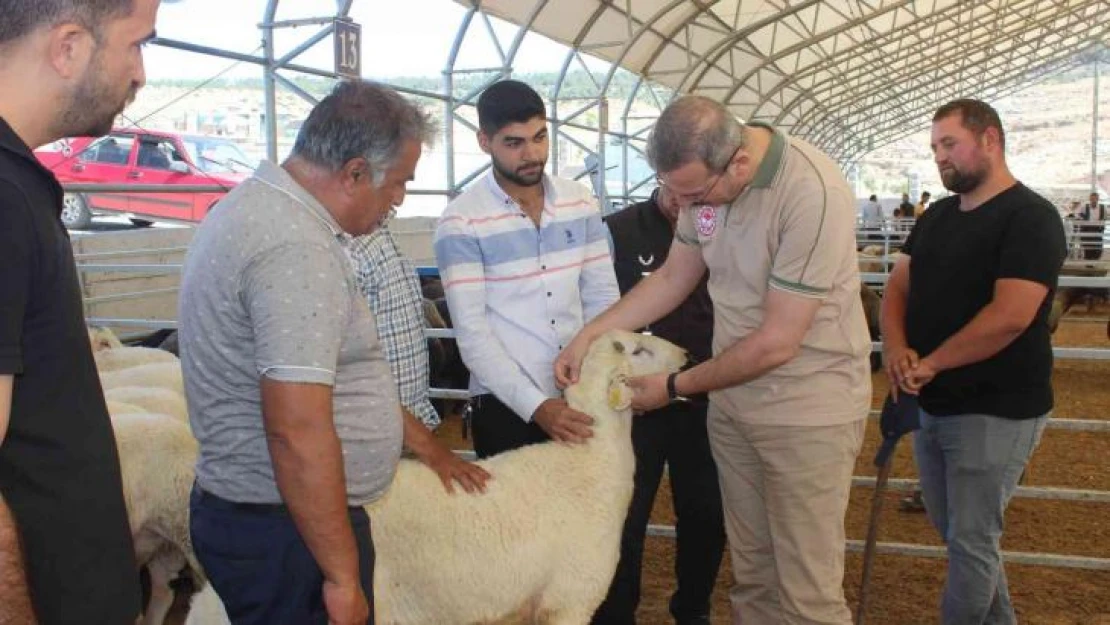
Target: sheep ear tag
[{"x": 620, "y": 393}]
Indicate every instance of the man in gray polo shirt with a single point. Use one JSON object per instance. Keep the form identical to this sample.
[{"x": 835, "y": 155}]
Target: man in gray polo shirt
[
  {"x": 773, "y": 220},
  {"x": 290, "y": 396}
]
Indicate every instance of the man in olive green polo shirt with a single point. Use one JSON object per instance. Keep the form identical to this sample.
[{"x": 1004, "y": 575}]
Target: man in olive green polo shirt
[{"x": 773, "y": 220}]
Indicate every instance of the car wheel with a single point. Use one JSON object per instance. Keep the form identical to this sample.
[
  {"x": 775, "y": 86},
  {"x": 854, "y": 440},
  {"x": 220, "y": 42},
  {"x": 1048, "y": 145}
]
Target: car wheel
[
  {"x": 75, "y": 212},
  {"x": 141, "y": 223}
]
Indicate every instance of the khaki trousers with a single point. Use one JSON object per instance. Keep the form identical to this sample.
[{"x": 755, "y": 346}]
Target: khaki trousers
[{"x": 785, "y": 492}]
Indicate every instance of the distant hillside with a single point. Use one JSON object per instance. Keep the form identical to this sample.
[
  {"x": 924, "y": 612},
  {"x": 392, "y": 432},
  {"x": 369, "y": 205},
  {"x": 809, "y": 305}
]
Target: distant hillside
[
  {"x": 1048, "y": 124},
  {"x": 1048, "y": 142}
]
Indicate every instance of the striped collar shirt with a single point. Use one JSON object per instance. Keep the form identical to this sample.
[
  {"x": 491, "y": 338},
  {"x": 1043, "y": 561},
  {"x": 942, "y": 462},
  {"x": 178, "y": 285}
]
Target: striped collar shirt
[
  {"x": 517, "y": 293},
  {"x": 388, "y": 281}
]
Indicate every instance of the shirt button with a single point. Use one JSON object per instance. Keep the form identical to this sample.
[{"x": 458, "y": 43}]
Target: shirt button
[
  {"x": 549, "y": 293},
  {"x": 552, "y": 322}
]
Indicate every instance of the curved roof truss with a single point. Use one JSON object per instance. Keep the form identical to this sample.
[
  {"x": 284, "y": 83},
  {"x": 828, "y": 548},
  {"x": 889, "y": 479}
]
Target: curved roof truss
[{"x": 847, "y": 75}]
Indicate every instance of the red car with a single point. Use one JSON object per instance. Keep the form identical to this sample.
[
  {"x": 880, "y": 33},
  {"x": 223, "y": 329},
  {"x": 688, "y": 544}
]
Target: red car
[{"x": 136, "y": 156}]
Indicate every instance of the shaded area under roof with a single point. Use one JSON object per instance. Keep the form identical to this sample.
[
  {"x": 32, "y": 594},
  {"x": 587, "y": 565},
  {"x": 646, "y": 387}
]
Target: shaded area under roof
[{"x": 846, "y": 75}]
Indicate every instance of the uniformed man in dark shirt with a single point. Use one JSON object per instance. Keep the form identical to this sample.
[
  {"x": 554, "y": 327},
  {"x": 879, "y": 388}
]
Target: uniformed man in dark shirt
[
  {"x": 67, "y": 68},
  {"x": 676, "y": 435}
]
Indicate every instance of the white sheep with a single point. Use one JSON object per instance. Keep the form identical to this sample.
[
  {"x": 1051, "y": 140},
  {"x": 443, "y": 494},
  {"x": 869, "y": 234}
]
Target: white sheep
[
  {"x": 116, "y": 358},
  {"x": 155, "y": 374},
  {"x": 205, "y": 608},
  {"x": 150, "y": 399},
  {"x": 544, "y": 540},
  {"x": 157, "y": 454}
]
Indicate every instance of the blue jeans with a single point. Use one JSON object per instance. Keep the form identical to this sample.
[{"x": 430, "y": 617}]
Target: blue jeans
[
  {"x": 260, "y": 566},
  {"x": 969, "y": 466}
]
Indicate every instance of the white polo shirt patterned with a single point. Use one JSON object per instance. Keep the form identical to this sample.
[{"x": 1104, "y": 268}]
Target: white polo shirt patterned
[
  {"x": 517, "y": 293},
  {"x": 792, "y": 228}
]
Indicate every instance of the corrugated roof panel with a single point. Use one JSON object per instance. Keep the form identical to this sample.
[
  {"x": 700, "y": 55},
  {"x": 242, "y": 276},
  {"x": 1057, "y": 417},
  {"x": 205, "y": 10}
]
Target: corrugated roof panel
[{"x": 819, "y": 64}]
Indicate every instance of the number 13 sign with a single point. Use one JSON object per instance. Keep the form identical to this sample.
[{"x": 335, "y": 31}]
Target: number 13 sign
[{"x": 348, "y": 49}]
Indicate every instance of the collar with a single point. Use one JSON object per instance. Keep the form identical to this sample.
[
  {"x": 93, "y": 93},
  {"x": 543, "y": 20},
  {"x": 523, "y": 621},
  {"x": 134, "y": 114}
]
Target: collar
[
  {"x": 772, "y": 159},
  {"x": 506, "y": 201},
  {"x": 275, "y": 176},
  {"x": 655, "y": 213},
  {"x": 13, "y": 143}
]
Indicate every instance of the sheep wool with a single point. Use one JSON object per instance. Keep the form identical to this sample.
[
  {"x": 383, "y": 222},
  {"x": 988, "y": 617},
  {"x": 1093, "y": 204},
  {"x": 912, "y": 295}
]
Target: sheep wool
[
  {"x": 149, "y": 399},
  {"x": 116, "y": 358},
  {"x": 545, "y": 537},
  {"x": 157, "y": 454},
  {"x": 156, "y": 374},
  {"x": 206, "y": 608}
]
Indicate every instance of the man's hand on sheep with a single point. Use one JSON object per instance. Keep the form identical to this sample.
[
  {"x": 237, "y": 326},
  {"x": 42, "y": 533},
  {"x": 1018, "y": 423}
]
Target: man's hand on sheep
[
  {"x": 649, "y": 392},
  {"x": 569, "y": 361},
  {"x": 451, "y": 468},
  {"x": 563, "y": 423}
]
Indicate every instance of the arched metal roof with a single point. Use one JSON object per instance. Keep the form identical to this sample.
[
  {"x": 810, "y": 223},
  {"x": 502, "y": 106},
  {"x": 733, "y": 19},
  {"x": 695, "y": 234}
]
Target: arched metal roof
[{"x": 846, "y": 75}]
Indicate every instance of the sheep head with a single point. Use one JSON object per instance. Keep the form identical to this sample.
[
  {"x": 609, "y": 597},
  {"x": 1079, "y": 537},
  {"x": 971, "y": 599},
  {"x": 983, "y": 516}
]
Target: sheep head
[
  {"x": 102, "y": 338},
  {"x": 618, "y": 355}
]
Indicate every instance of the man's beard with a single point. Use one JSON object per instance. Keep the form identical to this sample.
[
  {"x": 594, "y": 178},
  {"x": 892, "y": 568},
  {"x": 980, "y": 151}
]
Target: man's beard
[
  {"x": 515, "y": 177},
  {"x": 92, "y": 107},
  {"x": 958, "y": 181}
]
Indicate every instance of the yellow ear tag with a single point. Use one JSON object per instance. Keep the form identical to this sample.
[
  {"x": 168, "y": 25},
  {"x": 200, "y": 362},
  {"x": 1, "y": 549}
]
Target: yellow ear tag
[{"x": 615, "y": 399}]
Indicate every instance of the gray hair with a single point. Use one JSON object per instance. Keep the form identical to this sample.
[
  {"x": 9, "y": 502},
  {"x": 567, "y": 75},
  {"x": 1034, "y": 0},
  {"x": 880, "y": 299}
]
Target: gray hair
[
  {"x": 22, "y": 17},
  {"x": 694, "y": 128},
  {"x": 361, "y": 119}
]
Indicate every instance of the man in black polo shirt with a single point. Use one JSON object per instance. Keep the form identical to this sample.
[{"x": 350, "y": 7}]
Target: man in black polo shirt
[
  {"x": 965, "y": 326},
  {"x": 676, "y": 435},
  {"x": 67, "y": 68}
]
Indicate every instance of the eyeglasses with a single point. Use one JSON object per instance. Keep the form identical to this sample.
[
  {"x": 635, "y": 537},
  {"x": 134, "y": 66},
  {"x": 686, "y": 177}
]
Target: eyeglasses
[{"x": 695, "y": 199}]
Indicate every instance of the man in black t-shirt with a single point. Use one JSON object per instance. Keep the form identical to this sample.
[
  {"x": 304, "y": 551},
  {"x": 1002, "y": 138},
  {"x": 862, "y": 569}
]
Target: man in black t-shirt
[
  {"x": 965, "y": 326},
  {"x": 67, "y": 68}
]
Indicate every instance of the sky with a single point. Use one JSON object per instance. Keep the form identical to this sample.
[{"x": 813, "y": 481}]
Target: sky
[{"x": 401, "y": 38}]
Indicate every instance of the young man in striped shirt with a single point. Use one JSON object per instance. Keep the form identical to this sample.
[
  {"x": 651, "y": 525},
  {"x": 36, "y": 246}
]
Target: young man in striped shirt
[{"x": 525, "y": 264}]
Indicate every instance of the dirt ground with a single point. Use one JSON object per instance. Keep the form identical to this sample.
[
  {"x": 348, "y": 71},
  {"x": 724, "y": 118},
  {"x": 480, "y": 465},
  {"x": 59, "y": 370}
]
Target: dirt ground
[{"x": 905, "y": 590}]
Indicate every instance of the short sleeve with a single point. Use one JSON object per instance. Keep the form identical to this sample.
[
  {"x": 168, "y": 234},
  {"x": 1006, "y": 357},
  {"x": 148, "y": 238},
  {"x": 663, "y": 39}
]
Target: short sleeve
[
  {"x": 1033, "y": 247},
  {"x": 812, "y": 244},
  {"x": 907, "y": 245},
  {"x": 16, "y": 240},
  {"x": 299, "y": 301},
  {"x": 684, "y": 230}
]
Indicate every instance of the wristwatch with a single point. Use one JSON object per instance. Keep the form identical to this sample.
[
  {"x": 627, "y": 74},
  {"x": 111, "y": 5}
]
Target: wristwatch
[{"x": 672, "y": 394}]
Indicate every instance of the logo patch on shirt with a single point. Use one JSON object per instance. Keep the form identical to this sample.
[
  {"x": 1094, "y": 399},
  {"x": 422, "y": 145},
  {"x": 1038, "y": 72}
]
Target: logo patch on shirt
[{"x": 706, "y": 221}]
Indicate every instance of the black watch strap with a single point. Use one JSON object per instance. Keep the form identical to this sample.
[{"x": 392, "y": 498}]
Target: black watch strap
[{"x": 671, "y": 392}]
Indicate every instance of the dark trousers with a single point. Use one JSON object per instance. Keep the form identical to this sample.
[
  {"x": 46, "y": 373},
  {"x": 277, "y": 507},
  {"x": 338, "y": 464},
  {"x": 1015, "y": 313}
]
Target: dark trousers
[
  {"x": 497, "y": 428},
  {"x": 260, "y": 566},
  {"x": 675, "y": 434},
  {"x": 1092, "y": 241}
]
